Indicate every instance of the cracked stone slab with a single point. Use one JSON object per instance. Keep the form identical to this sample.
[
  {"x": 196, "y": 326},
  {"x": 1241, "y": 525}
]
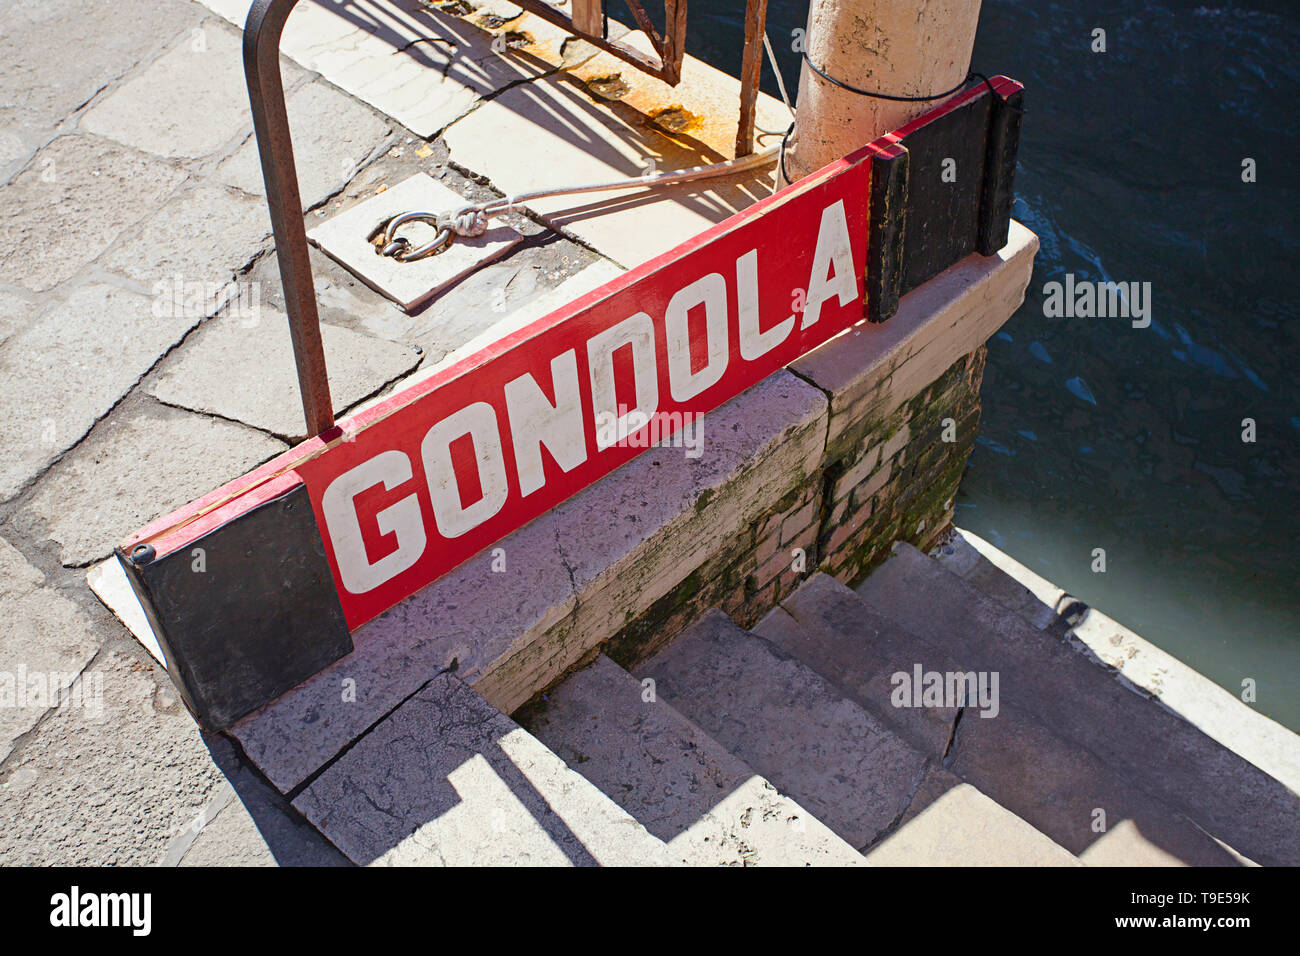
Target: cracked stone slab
[
  {"x": 108, "y": 40},
  {"x": 344, "y": 238},
  {"x": 333, "y": 136},
  {"x": 241, "y": 367},
  {"x": 102, "y": 337},
  {"x": 839, "y": 762},
  {"x": 71, "y": 203},
  {"x": 951, "y": 823},
  {"x": 681, "y": 784},
  {"x": 446, "y": 779},
  {"x": 137, "y": 464},
  {"x": 563, "y": 589},
  {"x": 45, "y": 641},
  {"x": 109, "y": 784},
  {"x": 572, "y": 138},
  {"x": 188, "y": 103},
  {"x": 206, "y": 235}
]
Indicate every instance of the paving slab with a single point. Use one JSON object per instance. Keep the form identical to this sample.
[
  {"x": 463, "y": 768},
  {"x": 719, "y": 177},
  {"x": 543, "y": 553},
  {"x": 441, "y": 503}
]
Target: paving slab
[
  {"x": 563, "y": 590},
  {"x": 189, "y": 103},
  {"x": 241, "y": 368},
  {"x": 951, "y": 823},
  {"x": 319, "y": 35},
  {"x": 345, "y": 238},
  {"x": 112, "y": 784},
  {"x": 71, "y": 203},
  {"x": 562, "y": 136},
  {"x": 142, "y": 462},
  {"x": 101, "y": 339},
  {"x": 333, "y": 136},
  {"x": 448, "y": 780},
  {"x": 849, "y": 770},
  {"x": 45, "y": 642},
  {"x": 467, "y": 342},
  {"x": 247, "y": 823},
  {"x": 419, "y": 65},
  {"x": 681, "y": 784},
  {"x": 1078, "y": 699},
  {"x": 37, "y": 91},
  {"x": 192, "y": 248}
]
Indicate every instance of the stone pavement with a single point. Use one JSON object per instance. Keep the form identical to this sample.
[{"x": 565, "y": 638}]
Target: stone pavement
[{"x": 145, "y": 359}]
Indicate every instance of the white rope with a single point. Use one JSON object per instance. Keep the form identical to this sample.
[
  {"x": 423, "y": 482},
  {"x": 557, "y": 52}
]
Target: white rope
[{"x": 473, "y": 220}]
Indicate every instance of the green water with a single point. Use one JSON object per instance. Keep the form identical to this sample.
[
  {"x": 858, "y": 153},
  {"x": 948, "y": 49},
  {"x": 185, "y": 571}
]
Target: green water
[{"x": 1096, "y": 434}]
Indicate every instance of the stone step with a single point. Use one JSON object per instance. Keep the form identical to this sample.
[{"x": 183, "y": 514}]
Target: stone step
[
  {"x": 447, "y": 779},
  {"x": 827, "y": 627},
  {"x": 951, "y": 823},
  {"x": 1064, "y": 688},
  {"x": 682, "y": 785},
  {"x": 839, "y": 762},
  {"x": 1051, "y": 785},
  {"x": 961, "y": 558}
]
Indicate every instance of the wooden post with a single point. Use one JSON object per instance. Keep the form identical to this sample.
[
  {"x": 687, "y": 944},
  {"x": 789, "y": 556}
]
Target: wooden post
[
  {"x": 589, "y": 16},
  {"x": 897, "y": 47},
  {"x": 751, "y": 71}
]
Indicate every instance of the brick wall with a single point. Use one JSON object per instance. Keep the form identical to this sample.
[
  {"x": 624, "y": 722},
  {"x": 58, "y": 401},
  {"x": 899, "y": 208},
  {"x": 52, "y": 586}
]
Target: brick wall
[{"x": 890, "y": 476}]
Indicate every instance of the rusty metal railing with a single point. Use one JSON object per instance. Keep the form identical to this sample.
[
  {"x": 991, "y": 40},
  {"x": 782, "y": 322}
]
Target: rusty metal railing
[
  {"x": 262, "y": 33},
  {"x": 263, "y": 30}
]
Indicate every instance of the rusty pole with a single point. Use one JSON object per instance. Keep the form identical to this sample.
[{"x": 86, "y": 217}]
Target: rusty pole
[{"x": 271, "y": 124}]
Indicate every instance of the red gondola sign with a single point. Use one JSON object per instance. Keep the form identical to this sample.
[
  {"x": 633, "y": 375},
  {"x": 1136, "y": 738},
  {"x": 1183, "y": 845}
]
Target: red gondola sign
[
  {"x": 409, "y": 488},
  {"x": 425, "y": 480}
]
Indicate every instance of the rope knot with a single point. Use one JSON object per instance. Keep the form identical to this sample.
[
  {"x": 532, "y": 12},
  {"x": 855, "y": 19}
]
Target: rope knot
[{"x": 467, "y": 222}]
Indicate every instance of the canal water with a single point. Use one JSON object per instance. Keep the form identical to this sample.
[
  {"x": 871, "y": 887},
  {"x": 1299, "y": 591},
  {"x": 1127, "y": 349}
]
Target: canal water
[{"x": 1099, "y": 435}]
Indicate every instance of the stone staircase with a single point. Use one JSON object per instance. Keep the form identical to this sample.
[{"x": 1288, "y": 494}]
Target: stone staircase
[{"x": 785, "y": 745}]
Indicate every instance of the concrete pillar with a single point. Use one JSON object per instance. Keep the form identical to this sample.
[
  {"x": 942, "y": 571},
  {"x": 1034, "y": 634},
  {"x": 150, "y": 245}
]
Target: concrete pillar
[{"x": 900, "y": 47}]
